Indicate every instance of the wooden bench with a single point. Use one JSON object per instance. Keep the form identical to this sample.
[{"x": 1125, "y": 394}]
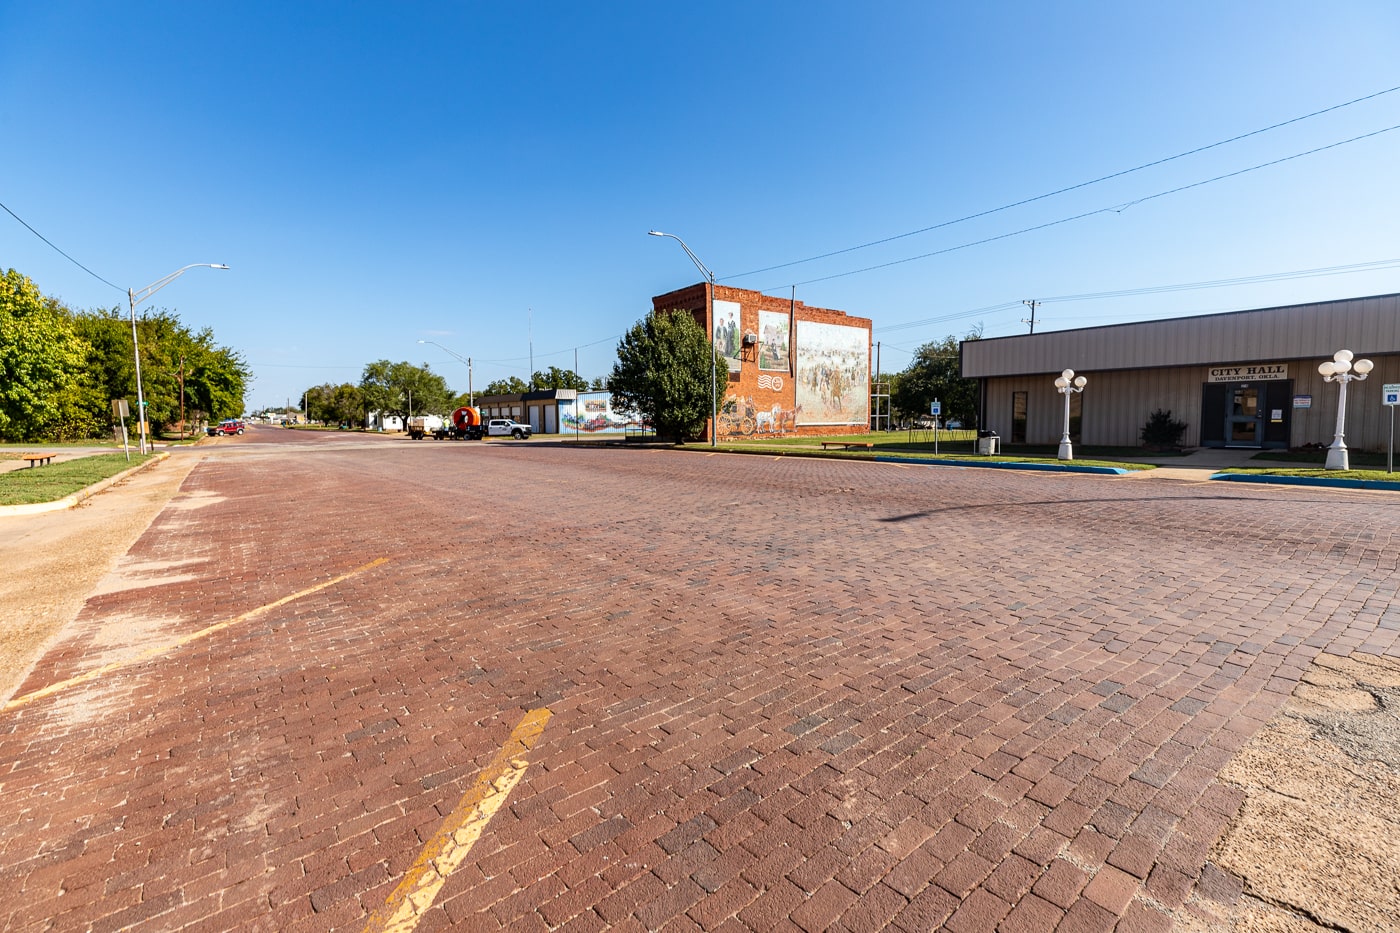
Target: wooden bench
[
  {"x": 847, "y": 445},
  {"x": 37, "y": 459}
]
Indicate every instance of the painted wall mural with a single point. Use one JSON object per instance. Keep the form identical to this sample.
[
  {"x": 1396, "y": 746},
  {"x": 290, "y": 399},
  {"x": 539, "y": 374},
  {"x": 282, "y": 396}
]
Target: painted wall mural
[
  {"x": 833, "y": 374},
  {"x": 592, "y": 413},
  {"x": 729, "y": 332},
  {"x": 741, "y": 416},
  {"x": 773, "y": 341}
]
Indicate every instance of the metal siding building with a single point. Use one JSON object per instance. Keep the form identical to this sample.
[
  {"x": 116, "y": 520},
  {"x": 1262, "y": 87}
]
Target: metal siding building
[{"x": 1185, "y": 365}]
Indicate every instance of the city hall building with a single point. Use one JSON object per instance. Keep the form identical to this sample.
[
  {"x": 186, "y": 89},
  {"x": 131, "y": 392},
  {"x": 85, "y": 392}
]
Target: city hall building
[{"x": 1240, "y": 379}]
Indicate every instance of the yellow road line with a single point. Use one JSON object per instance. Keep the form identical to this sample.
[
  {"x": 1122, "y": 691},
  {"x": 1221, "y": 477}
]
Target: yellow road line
[
  {"x": 448, "y": 849},
  {"x": 160, "y": 649}
]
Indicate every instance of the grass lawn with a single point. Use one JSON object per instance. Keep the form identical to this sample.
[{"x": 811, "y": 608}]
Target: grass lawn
[
  {"x": 952, "y": 445},
  {"x": 1309, "y": 463},
  {"x": 10, "y": 450},
  {"x": 56, "y": 480}
]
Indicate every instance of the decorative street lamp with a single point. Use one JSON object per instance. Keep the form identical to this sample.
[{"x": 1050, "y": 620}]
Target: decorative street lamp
[
  {"x": 136, "y": 298},
  {"x": 1067, "y": 384},
  {"x": 471, "y": 396},
  {"x": 709, "y": 330},
  {"x": 1341, "y": 370}
]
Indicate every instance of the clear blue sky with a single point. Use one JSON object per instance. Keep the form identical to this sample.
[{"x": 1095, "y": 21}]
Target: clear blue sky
[{"x": 484, "y": 175}]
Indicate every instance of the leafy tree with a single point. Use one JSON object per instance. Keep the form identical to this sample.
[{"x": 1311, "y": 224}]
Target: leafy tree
[
  {"x": 558, "y": 378},
  {"x": 934, "y": 373},
  {"x": 392, "y": 387},
  {"x": 666, "y": 372},
  {"x": 511, "y": 386},
  {"x": 336, "y": 404},
  {"x": 44, "y": 392},
  {"x": 600, "y": 384},
  {"x": 215, "y": 378}
]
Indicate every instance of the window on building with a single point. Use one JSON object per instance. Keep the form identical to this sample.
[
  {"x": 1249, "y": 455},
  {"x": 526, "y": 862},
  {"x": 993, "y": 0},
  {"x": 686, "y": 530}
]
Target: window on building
[
  {"x": 1018, "y": 417},
  {"x": 1076, "y": 415}
]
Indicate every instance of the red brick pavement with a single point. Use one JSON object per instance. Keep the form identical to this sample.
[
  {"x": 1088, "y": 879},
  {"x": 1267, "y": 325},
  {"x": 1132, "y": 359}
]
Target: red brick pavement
[{"x": 787, "y": 694}]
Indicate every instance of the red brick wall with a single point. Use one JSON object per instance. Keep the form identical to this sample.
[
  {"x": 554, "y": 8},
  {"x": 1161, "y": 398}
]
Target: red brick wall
[{"x": 758, "y": 403}]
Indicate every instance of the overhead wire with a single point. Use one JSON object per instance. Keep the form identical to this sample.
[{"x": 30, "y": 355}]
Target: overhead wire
[
  {"x": 1065, "y": 190},
  {"x": 59, "y": 251},
  {"x": 1115, "y": 209}
]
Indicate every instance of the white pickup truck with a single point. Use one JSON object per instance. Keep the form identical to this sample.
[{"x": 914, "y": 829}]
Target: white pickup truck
[{"x": 507, "y": 427}]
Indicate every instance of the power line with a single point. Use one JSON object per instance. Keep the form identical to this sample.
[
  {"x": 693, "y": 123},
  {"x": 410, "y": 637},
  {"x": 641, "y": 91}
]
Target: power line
[
  {"x": 1375, "y": 266},
  {"x": 1084, "y": 184},
  {"x": 1116, "y": 209},
  {"x": 61, "y": 252}
]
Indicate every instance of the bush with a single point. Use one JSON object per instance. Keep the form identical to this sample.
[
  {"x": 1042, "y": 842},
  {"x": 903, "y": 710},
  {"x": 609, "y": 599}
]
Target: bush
[{"x": 1161, "y": 432}]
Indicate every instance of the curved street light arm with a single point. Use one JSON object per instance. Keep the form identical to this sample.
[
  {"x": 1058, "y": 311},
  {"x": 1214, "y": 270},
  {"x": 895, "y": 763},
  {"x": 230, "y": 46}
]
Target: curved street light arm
[
  {"x": 709, "y": 276},
  {"x": 138, "y": 297}
]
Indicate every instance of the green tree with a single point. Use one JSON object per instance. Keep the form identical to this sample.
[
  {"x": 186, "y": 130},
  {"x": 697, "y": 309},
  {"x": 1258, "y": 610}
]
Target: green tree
[
  {"x": 215, "y": 379},
  {"x": 666, "y": 372},
  {"x": 934, "y": 373},
  {"x": 513, "y": 385},
  {"x": 335, "y": 404},
  {"x": 44, "y": 389},
  {"x": 391, "y": 388},
  {"x": 558, "y": 378}
]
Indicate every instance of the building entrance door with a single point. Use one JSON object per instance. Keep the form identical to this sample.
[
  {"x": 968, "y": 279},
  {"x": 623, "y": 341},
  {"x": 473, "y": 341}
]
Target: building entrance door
[
  {"x": 1244, "y": 424},
  {"x": 1246, "y": 414}
]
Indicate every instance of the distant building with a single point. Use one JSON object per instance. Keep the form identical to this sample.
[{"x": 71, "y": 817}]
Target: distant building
[
  {"x": 1240, "y": 379},
  {"x": 793, "y": 369}
]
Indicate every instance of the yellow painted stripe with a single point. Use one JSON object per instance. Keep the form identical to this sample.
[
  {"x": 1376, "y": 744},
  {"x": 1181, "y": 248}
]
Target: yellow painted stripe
[
  {"x": 164, "y": 647},
  {"x": 449, "y": 848}
]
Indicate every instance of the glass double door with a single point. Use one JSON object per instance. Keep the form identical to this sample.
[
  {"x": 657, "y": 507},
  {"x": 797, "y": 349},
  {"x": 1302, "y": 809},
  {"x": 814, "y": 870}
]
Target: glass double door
[
  {"x": 1244, "y": 423},
  {"x": 1246, "y": 414}
]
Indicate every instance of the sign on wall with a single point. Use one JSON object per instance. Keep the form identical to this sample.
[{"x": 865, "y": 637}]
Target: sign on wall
[{"x": 1249, "y": 372}]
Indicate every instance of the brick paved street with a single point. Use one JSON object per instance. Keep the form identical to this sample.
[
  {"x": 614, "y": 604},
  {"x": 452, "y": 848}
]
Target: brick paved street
[{"x": 786, "y": 693}]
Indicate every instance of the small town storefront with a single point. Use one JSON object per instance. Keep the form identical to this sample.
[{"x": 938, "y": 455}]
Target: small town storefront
[{"x": 1240, "y": 379}]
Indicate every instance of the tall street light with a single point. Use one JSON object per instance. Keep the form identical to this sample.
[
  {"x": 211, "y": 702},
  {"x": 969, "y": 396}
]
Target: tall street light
[
  {"x": 1067, "y": 383},
  {"x": 709, "y": 331},
  {"x": 1341, "y": 370},
  {"x": 136, "y": 297},
  {"x": 471, "y": 397}
]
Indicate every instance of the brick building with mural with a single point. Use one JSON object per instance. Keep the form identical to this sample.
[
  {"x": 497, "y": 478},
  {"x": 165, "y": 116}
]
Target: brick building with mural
[{"x": 793, "y": 369}]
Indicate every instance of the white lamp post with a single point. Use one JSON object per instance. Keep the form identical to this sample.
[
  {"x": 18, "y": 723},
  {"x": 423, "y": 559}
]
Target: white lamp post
[
  {"x": 471, "y": 396},
  {"x": 1341, "y": 370},
  {"x": 709, "y": 331},
  {"x": 136, "y": 298},
  {"x": 1067, "y": 384}
]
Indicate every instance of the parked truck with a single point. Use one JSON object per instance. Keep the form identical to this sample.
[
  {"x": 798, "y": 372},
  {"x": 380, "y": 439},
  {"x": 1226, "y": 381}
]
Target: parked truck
[{"x": 467, "y": 424}]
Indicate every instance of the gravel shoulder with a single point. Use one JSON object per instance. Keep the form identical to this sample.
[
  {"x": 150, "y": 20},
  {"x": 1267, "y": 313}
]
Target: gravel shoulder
[{"x": 53, "y": 560}]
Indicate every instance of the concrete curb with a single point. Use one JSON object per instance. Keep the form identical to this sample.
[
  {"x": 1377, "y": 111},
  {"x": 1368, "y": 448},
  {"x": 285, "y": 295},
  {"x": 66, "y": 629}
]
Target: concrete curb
[
  {"x": 67, "y": 502},
  {"x": 1012, "y": 465},
  {"x": 1383, "y": 485}
]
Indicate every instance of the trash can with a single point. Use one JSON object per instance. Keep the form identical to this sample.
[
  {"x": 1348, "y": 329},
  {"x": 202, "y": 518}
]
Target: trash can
[{"x": 988, "y": 443}]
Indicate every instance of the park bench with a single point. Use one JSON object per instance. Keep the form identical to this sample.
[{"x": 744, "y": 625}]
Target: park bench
[
  {"x": 847, "y": 445},
  {"x": 37, "y": 459}
]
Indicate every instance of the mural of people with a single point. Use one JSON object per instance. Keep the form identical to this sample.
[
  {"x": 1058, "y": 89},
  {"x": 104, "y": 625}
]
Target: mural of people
[
  {"x": 833, "y": 374},
  {"x": 728, "y": 322},
  {"x": 773, "y": 341}
]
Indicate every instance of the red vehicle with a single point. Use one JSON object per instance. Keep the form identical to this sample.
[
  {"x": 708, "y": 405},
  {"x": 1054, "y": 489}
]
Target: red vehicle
[{"x": 226, "y": 427}]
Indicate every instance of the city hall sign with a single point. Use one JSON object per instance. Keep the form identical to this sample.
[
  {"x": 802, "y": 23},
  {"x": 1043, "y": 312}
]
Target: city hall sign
[{"x": 1249, "y": 372}]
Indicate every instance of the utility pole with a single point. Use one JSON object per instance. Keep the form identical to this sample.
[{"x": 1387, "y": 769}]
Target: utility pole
[{"x": 1032, "y": 304}]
